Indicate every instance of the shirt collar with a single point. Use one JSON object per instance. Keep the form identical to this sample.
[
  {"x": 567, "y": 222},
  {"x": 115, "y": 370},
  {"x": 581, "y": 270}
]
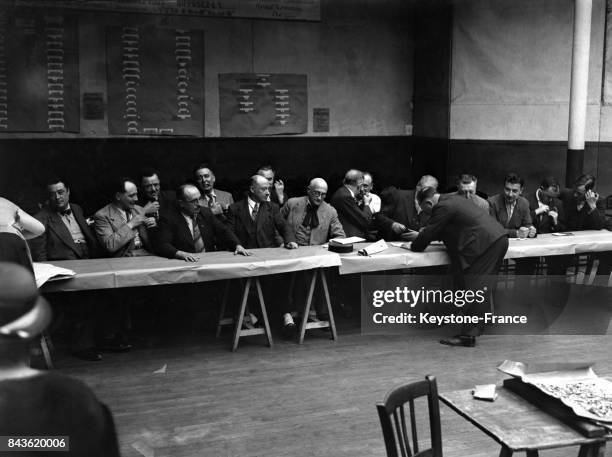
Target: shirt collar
[
  {"x": 251, "y": 202},
  {"x": 350, "y": 190}
]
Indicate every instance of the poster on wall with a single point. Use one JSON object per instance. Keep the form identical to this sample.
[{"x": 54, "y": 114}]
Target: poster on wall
[
  {"x": 262, "y": 104},
  {"x": 300, "y": 10},
  {"x": 39, "y": 75},
  {"x": 155, "y": 81}
]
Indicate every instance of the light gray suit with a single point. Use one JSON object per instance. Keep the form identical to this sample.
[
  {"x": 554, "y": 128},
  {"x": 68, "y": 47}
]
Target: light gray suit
[
  {"x": 329, "y": 224},
  {"x": 114, "y": 234}
]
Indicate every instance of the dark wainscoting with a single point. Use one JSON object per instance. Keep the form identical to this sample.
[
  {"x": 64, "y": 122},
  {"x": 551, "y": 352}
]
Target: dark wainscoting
[{"x": 88, "y": 164}]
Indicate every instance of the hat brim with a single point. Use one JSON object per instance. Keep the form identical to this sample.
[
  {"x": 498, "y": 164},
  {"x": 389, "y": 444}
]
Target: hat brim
[{"x": 32, "y": 323}]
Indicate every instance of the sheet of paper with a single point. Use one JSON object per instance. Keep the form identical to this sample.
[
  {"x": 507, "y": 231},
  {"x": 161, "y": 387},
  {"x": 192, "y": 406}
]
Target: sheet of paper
[
  {"x": 349, "y": 240},
  {"x": 44, "y": 272},
  {"x": 484, "y": 392}
]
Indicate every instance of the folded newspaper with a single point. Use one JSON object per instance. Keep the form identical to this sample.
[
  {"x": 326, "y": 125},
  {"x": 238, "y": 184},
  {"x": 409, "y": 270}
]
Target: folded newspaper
[
  {"x": 374, "y": 248},
  {"x": 44, "y": 272},
  {"x": 575, "y": 384}
]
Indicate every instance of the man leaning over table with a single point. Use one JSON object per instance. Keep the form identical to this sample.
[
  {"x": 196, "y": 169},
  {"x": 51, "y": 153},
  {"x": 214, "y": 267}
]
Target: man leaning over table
[
  {"x": 186, "y": 229},
  {"x": 313, "y": 222},
  {"x": 68, "y": 237},
  {"x": 476, "y": 244},
  {"x": 255, "y": 220}
]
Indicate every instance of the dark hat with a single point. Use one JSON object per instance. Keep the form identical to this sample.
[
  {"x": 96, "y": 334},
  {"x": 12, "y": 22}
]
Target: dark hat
[{"x": 23, "y": 312}]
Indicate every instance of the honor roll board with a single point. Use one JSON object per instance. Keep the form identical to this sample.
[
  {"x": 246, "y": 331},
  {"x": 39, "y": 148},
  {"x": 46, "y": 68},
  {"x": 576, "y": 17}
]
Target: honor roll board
[
  {"x": 262, "y": 104},
  {"x": 155, "y": 81},
  {"x": 39, "y": 79}
]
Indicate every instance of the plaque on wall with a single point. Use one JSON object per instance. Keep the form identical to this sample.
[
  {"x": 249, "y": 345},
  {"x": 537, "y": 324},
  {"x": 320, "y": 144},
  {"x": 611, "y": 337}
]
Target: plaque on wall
[
  {"x": 155, "y": 81},
  {"x": 39, "y": 76},
  {"x": 262, "y": 104}
]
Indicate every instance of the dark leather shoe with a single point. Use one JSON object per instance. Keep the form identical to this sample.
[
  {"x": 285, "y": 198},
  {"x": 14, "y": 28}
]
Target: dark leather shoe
[
  {"x": 89, "y": 354},
  {"x": 289, "y": 331},
  {"x": 460, "y": 340}
]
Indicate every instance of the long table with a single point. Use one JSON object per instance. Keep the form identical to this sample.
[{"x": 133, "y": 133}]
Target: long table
[
  {"x": 396, "y": 258},
  {"x": 95, "y": 274},
  {"x": 212, "y": 266}
]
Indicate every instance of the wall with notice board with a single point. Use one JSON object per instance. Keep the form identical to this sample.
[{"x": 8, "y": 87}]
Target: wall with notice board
[{"x": 357, "y": 59}]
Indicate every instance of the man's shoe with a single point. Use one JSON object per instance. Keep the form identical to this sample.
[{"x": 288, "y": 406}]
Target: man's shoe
[
  {"x": 289, "y": 327},
  {"x": 89, "y": 354},
  {"x": 460, "y": 340}
]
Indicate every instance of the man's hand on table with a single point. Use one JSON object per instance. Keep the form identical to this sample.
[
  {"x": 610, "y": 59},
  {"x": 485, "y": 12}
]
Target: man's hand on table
[
  {"x": 532, "y": 232},
  {"x": 291, "y": 245},
  {"x": 241, "y": 251},
  {"x": 186, "y": 256},
  {"x": 409, "y": 236}
]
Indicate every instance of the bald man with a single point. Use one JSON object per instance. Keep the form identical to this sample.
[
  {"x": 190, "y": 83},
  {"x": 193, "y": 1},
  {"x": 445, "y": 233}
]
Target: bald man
[
  {"x": 353, "y": 205},
  {"x": 254, "y": 218},
  {"x": 312, "y": 220}
]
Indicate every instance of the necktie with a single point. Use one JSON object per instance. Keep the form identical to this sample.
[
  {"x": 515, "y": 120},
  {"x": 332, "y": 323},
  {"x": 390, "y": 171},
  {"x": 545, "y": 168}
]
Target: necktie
[
  {"x": 254, "y": 213},
  {"x": 137, "y": 241},
  {"x": 211, "y": 201},
  {"x": 197, "y": 236},
  {"x": 66, "y": 212},
  {"x": 311, "y": 220}
]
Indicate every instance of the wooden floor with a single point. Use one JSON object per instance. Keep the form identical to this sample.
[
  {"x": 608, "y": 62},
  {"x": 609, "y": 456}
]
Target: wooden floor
[{"x": 311, "y": 400}]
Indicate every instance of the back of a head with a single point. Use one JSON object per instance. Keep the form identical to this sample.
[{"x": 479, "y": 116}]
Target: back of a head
[
  {"x": 352, "y": 177},
  {"x": 425, "y": 193}
]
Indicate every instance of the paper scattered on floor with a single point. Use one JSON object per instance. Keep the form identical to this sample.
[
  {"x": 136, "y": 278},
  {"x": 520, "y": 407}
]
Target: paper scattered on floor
[{"x": 162, "y": 369}]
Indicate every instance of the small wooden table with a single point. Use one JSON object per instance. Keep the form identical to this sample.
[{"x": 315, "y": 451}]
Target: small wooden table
[{"x": 519, "y": 425}]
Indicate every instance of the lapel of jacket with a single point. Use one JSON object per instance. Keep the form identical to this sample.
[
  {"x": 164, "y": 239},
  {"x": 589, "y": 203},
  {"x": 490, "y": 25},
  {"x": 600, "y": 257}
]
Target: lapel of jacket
[{"x": 59, "y": 228}]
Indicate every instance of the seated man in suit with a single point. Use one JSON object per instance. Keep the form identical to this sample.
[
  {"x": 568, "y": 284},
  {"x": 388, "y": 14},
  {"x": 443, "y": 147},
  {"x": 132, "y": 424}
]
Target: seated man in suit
[
  {"x": 68, "y": 237},
  {"x": 186, "y": 229},
  {"x": 277, "y": 186},
  {"x": 400, "y": 212},
  {"x": 121, "y": 226},
  {"x": 585, "y": 210},
  {"x": 313, "y": 222},
  {"x": 511, "y": 210},
  {"x": 476, "y": 245},
  {"x": 353, "y": 207},
  {"x": 155, "y": 200},
  {"x": 218, "y": 201},
  {"x": 466, "y": 186},
  {"x": 254, "y": 219},
  {"x": 368, "y": 186}
]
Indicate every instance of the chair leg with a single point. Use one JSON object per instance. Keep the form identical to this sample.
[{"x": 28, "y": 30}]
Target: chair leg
[
  {"x": 241, "y": 311},
  {"x": 264, "y": 312},
  {"x": 306, "y": 311},
  {"x": 332, "y": 322},
  {"x": 45, "y": 343}
]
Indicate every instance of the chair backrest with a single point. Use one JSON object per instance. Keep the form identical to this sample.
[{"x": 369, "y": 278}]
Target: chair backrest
[{"x": 393, "y": 419}]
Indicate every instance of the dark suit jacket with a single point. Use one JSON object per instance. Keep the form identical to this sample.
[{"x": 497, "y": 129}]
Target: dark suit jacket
[
  {"x": 174, "y": 235},
  {"x": 466, "y": 230},
  {"x": 355, "y": 220},
  {"x": 520, "y": 216},
  {"x": 543, "y": 222},
  {"x": 261, "y": 233},
  {"x": 585, "y": 219},
  {"x": 56, "y": 243},
  {"x": 167, "y": 199},
  {"x": 397, "y": 206}
]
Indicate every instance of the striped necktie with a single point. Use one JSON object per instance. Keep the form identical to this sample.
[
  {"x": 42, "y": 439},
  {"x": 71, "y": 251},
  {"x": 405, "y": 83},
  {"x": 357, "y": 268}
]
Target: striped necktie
[{"x": 197, "y": 236}]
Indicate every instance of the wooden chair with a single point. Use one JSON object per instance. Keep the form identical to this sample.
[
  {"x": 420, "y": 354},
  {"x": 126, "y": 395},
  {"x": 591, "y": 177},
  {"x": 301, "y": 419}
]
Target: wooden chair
[{"x": 393, "y": 419}]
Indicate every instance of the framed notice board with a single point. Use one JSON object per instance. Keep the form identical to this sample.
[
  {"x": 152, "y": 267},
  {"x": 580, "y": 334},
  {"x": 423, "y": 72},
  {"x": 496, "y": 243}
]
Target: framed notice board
[
  {"x": 155, "y": 81},
  {"x": 262, "y": 104},
  {"x": 39, "y": 74}
]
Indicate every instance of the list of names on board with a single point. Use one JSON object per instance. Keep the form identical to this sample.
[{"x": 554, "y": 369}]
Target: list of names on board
[
  {"x": 39, "y": 80},
  {"x": 155, "y": 81},
  {"x": 262, "y": 104}
]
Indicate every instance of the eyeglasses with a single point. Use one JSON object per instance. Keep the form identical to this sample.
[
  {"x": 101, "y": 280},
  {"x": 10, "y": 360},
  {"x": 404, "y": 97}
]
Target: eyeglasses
[{"x": 316, "y": 193}]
